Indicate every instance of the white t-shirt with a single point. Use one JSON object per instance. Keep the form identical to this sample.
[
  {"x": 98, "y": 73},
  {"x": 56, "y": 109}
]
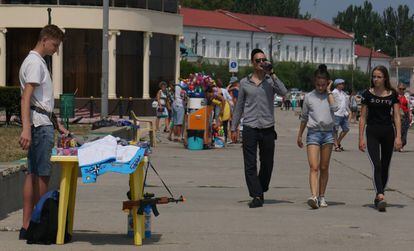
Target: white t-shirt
[
  {"x": 178, "y": 96},
  {"x": 34, "y": 70},
  {"x": 226, "y": 94},
  {"x": 342, "y": 101}
]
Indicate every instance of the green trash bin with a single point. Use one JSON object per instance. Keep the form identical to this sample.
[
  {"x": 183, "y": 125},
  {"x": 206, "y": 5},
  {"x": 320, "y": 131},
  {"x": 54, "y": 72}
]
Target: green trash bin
[{"x": 67, "y": 107}]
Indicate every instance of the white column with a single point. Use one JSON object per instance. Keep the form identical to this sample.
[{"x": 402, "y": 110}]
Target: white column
[
  {"x": 3, "y": 32},
  {"x": 57, "y": 71},
  {"x": 112, "y": 63},
  {"x": 177, "y": 59},
  {"x": 146, "y": 63}
]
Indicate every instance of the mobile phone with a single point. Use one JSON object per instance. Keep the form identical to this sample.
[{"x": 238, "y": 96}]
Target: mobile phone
[{"x": 267, "y": 66}]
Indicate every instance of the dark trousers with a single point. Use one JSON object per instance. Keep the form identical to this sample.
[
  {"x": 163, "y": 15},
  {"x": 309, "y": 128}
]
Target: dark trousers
[
  {"x": 405, "y": 125},
  {"x": 265, "y": 139},
  {"x": 225, "y": 129},
  {"x": 380, "y": 145}
]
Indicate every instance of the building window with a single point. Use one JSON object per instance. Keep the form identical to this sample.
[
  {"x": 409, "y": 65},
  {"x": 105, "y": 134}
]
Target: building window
[
  {"x": 238, "y": 50},
  {"x": 323, "y": 55},
  {"x": 257, "y": 46},
  {"x": 287, "y": 53},
  {"x": 304, "y": 54},
  {"x": 296, "y": 54},
  {"x": 347, "y": 56},
  {"x": 217, "y": 49},
  {"x": 278, "y": 52},
  {"x": 332, "y": 55},
  {"x": 340, "y": 56},
  {"x": 203, "y": 47},
  {"x": 247, "y": 50},
  {"x": 228, "y": 49},
  {"x": 315, "y": 54},
  {"x": 193, "y": 44}
]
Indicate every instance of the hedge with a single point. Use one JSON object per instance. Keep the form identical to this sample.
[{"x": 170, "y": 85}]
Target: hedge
[
  {"x": 294, "y": 75},
  {"x": 10, "y": 100}
]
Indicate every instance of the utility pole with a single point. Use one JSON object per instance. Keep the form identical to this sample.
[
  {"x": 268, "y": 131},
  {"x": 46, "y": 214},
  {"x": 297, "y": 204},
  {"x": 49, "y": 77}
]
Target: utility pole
[{"x": 105, "y": 60}]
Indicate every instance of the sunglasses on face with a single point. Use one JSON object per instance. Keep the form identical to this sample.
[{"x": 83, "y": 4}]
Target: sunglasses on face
[
  {"x": 258, "y": 60},
  {"x": 402, "y": 89}
]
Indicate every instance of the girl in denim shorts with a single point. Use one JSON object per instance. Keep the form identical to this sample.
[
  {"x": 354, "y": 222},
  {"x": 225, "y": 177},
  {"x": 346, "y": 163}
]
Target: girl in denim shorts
[{"x": 318, "y": 117}]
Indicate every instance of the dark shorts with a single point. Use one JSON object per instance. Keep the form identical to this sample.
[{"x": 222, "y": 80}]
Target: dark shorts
[
  {"x": 40, "y": 151},
  {"x": 319, "y": 138}
]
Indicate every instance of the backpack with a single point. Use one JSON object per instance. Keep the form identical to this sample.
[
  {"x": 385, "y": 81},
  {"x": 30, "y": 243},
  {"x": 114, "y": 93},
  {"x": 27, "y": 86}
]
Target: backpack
[{"x": 44, "y": 222}]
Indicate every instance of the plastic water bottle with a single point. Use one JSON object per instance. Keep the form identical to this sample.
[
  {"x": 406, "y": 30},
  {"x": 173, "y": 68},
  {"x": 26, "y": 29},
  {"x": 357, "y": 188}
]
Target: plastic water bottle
[
  {"x": 147, "y": 221},
  {"x": 130, "y": 225}
]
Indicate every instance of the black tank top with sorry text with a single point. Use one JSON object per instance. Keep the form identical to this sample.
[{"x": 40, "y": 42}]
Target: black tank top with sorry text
[{"x": 379, "y": 108}]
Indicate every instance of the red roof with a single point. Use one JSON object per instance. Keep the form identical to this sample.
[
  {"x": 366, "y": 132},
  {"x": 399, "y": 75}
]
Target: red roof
[
  {"x": 212, "y": 19},
  {"x": 221, "y": 19},
  {"x": 362, "y": 51}
]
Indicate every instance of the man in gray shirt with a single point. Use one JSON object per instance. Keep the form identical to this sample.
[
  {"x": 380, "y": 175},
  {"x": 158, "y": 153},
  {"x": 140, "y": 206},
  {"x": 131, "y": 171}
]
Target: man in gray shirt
[{"x": 255, "y": 101}]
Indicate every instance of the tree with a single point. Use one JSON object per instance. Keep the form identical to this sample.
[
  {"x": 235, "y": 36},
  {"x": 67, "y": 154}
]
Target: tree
[
  {"x": 365, "y": 22},
  {"x": 281, "y": 8},
  {"x": 208, "y": 4}
]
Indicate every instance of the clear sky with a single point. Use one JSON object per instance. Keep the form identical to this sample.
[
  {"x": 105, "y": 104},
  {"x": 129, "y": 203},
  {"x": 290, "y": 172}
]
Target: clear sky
[{"x": 327, "y": 9}]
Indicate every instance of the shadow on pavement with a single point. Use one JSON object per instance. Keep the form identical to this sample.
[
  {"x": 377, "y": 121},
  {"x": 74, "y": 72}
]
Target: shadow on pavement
[
  {"x": 335, "y": 203},
  {"x": 269, "y": 201},
  {"x": 388, "y": 205},
  {"x": 95, "y": 238}
]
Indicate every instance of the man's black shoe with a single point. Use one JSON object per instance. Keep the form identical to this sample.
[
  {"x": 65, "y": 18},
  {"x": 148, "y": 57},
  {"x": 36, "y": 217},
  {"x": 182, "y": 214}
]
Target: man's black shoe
[
  {"x": 22, "y": 234},
  {"x": 256, "y": 202},
  {"x": 262, "y": 198}
]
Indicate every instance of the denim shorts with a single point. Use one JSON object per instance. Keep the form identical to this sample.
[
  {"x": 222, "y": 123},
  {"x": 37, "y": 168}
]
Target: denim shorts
[
  {"x": 40, "y": 151},
  {"x": 341, "y": 121},
  {"x": 178, "y": 115},
  {"x": 319, "y": 138}
]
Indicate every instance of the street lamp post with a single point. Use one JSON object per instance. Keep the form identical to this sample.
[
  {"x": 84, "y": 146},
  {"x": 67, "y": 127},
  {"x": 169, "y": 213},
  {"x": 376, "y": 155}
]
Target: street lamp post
[
  {"x": 396, "y": 54},
  {"x": 271, "y": 46}
]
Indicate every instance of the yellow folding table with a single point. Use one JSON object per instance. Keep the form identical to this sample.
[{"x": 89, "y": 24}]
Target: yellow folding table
[{"x": 67, "y": 197}]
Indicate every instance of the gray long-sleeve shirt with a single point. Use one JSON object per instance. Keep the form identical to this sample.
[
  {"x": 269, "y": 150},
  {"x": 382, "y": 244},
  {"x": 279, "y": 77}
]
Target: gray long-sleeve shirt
[
  {"x": 256, "y": 102},
  {"x": 317, "y": 112}
]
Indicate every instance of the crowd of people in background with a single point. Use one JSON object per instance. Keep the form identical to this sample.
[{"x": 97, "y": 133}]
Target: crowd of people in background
[
  {"x": 171, "y": 105},
  {"x": 384, "y": 114}
]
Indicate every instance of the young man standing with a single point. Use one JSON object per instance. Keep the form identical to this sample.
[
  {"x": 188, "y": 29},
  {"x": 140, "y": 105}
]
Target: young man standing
[
  {"x": 37, "y": 104},
  {"x": 255, "y": 101},
  {"x": 341, "y": 116}
]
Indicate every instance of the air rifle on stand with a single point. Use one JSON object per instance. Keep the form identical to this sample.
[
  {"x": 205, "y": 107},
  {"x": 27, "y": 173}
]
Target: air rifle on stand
[{"x": 149, "y": 200}]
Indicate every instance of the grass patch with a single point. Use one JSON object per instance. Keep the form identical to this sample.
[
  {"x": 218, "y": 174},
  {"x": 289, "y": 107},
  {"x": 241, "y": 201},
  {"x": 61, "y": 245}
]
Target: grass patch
[{"x": 9, "y": 141}]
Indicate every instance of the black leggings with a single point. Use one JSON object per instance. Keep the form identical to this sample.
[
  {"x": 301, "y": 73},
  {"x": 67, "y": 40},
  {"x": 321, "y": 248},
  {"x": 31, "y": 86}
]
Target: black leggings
[{"x": 380, "y": 145}]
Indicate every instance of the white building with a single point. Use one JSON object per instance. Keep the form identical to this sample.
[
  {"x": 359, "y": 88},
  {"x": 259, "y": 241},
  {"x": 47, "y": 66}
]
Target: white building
[
  {"x": 221, "y": 35},
  {"x": 144, "y": 41},
  {"x": 364, "y": 55}
]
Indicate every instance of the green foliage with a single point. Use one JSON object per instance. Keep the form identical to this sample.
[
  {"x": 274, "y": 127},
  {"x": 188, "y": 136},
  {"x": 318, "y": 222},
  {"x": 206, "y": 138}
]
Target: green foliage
[
  {"x": 281, "y": 8},
  {"x": 294, "y": 75},
  {"x": 10, "y": 100},
  {"x": 363, "y": 20}
]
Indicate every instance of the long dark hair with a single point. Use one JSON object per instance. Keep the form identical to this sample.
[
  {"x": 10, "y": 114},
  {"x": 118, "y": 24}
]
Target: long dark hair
[
  {"x": 384, "y": 71},
  {"x": 321, "y": 72}
]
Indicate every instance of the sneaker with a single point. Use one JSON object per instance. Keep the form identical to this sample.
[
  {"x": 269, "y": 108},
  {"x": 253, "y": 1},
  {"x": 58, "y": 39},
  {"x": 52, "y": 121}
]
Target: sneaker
[
  {"x": 376, "y": 202},
  {"x": 382, "y": 205},
  {"x": 322, "y": 202},
  {"x": 256, "y": 202},
  {"x": 313, "y": 202},
  {"x": 22, "y": 234}
]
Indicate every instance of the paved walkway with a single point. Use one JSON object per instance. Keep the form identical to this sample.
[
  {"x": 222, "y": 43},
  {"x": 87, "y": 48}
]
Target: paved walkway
[{"x": 216, "y": 216}]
